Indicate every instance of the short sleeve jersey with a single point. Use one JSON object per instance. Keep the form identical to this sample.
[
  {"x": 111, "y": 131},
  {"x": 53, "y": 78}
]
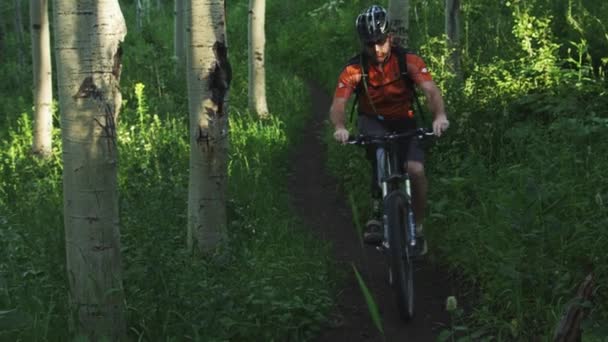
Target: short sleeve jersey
[{"x": 390, "y": 96}]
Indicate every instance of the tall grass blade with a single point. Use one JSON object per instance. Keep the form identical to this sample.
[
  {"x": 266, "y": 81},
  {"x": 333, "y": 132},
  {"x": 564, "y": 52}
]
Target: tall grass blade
[{"x": 371, "y": 304}]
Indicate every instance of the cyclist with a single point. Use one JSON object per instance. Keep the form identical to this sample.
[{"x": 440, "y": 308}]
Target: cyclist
[{"x": 385, "y": 104}]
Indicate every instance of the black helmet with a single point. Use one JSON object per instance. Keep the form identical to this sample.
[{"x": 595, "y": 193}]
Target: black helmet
[{"x": 373, "y": 24}]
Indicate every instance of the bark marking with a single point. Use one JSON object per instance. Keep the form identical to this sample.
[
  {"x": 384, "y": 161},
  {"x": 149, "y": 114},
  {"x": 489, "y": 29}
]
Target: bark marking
[
  {"x": 88, "y": 89},
  {"x": 117, "y": 63},
  {"x": 220, "y": 77}
]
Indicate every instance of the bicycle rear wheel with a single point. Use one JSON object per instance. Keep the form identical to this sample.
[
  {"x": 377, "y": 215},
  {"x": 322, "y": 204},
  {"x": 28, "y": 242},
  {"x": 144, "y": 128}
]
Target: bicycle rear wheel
[{"x": 400, "y": 263}]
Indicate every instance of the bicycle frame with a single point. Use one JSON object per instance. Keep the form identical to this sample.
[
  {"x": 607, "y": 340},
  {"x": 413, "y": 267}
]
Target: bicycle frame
[
  {"x": 398, "y": 243},
  {"x": 392, "y": 177}
]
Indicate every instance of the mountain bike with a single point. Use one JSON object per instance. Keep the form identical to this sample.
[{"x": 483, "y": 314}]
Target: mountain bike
[{"x": 399, "y": 239}]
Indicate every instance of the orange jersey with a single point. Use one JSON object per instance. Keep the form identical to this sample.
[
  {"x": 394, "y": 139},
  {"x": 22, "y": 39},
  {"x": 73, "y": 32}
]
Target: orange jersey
[{"x": 390, "y": 96}]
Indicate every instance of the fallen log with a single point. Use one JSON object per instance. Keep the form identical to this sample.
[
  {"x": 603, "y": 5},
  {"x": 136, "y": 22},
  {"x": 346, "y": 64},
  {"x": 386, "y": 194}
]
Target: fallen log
[{"x": 569, "y": 327}]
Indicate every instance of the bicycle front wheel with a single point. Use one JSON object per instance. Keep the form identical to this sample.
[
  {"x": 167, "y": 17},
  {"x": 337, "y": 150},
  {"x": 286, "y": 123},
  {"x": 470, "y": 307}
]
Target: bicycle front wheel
[{"x": 400, "y": 263}]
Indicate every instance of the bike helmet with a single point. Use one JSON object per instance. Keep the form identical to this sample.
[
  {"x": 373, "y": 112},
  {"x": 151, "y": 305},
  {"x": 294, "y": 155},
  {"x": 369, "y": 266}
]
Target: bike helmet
[{"x": 373, "y": 24}]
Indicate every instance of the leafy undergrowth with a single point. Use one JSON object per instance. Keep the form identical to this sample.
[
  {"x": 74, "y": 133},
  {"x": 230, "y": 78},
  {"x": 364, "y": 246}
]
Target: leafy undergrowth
[{"x": 271, "y": 283}]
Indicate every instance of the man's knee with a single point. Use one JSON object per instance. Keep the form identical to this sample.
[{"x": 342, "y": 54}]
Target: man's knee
[{"x": 415, "y": 169}]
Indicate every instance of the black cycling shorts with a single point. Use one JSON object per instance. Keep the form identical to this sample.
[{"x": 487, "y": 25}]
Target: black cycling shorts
[{"x": 371, "y": 125}]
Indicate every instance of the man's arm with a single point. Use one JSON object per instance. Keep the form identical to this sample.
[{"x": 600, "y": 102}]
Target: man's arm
[
  {"x": 337, "y": 112},
  {"x": 337, "y": 115},
  {"x": 435, "y": 101}
]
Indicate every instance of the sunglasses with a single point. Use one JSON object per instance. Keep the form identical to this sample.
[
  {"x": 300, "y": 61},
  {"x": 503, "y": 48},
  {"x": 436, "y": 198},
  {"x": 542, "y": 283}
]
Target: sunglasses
[{"x": 376, "y": 42}]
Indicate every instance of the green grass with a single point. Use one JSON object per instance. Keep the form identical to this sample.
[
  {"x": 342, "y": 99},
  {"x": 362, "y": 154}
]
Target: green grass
[
  {"x": 518, "y": 188},
  {"x": 271, "y": 284}
]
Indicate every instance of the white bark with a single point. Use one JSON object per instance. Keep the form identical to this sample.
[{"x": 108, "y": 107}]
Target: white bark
[
  {"x": 43, "y": 90},
  {"x": 399, "y": 12},
  {"x": 208, "y": 81},
  {"x": 142, "y": 13},
  {"x": 19, "y": 33},
  {"x": 452, "y": 30},
  {"x": 257, "y": 70},
  {"x": 180, "y": 31},
  {"x": 88, "y": 34},
  {"x": 2, "y": 33}
]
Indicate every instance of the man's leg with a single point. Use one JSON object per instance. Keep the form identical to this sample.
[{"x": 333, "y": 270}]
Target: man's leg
[
  {"x": 419, "y": 188},
  {"x": 418, "y": 184},
  {"x": 373, "y": 228}
]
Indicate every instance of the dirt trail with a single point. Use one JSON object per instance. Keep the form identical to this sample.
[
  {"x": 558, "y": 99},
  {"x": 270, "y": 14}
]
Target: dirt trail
[{"x": 324, "y": 209}]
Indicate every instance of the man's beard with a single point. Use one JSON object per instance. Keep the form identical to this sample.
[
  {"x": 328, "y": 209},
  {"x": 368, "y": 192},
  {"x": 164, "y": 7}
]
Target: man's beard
[{"x": 374, "y": 59}]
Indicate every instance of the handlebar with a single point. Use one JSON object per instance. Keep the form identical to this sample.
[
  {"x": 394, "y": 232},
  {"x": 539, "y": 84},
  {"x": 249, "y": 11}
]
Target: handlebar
[{"x": 363, "y": 139}]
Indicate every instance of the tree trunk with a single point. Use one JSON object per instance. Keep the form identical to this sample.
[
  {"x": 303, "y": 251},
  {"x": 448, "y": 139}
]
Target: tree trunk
[
  {"x": 399, "y": 14},
  {"x": 209, "y": 77},
  {"x": 180, "y": 30},
  {"x": 141, "y": 13},
  {"x": 87, "y": 37},
  {"x": 569, "y": 327},
  {"x": 43, "y": 90},
  {"x": 257, "y": 73},
  {"x": 2, "y": 34},
  {"x": 19, "y": 33},
  {"x": 452, "y": 30}
]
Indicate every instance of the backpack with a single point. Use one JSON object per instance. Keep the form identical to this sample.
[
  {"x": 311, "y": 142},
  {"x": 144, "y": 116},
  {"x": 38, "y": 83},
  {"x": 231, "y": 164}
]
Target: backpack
[{"x": 401, "y": 54}]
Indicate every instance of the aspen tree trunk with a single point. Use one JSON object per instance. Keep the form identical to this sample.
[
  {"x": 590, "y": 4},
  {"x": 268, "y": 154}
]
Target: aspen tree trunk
[
  {"x": 209, "y": 77},
  {"x": 2, "y": 33},
  {"x": 88, "y": 34},
  {"x": 141, "y": 12},
  {"x": 257, "y": 73},
  {"x": 180, "y": 31},
  {"x": 19, "y": 33},
  {"x": 452, "y": 30},
  {"x": 43, "y": 89},
  {"x": 399, "y": 14}
]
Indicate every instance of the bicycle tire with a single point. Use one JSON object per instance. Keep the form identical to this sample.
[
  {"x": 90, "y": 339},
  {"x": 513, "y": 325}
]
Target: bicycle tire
[{"x": 400, "y": 263}]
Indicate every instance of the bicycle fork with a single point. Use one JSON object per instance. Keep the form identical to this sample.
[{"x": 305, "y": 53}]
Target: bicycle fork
[
  {"x": 389, "y": 167},
  {"x": 411, "y": 223}
]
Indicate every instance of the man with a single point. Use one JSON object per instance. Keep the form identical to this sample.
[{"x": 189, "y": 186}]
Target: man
[{"x": 385, "y": 105}]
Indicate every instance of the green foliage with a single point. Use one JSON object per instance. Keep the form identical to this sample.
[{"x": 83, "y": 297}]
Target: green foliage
[
  {"x": 517, "y": 199},
  {"x": 271, "y": 282}
]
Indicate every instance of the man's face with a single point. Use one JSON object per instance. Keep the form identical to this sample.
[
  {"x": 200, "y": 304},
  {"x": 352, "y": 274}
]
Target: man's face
[{"x": 379, "y": 50}]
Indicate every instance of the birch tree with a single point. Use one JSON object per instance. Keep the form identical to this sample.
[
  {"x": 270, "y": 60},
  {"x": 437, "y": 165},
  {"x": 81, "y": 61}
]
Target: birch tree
[
  {"x": 18, "y": 21},
  {"x": 452, "y": 31},
  {"x": 88, "y": 34},
  {"x": 180, "y": 30},
  {"x": 2, "y": 33},
  {"x": 142, "y": 13},
  {"x": 43, "y": 93},
  {"x": 209, "y": 77},
  {"x": 257, "y": 73},
  {"x": 398, "y": 12}
]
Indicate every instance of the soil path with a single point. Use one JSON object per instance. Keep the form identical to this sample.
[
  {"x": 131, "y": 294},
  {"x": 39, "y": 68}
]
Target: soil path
[{"x": 323, "y": 208}]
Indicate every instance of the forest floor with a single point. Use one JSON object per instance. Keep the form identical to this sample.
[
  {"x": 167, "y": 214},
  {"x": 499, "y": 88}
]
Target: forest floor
[{"x": 322, "y": 206}]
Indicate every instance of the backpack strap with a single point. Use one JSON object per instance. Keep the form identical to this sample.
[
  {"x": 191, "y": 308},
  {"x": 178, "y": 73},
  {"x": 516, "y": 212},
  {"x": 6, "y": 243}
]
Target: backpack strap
[
  {"x": 363, "y": 84},
  {"x": 402, "y": 60},
  {"x": 364, "y": 79}
]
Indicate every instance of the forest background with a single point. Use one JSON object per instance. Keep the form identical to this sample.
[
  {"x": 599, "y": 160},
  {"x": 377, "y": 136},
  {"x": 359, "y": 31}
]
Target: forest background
[{"x": 518, "y": 186}]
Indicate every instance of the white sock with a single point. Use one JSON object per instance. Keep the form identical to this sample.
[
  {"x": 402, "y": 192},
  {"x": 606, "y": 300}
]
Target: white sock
[{"x": 419, "y": 228}]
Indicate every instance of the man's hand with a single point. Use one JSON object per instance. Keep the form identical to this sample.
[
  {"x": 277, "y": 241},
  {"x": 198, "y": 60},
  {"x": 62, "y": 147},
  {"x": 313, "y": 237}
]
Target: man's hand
[
  {"x": 341, "y": 135},
  {"x": 440, "y": 124}
]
